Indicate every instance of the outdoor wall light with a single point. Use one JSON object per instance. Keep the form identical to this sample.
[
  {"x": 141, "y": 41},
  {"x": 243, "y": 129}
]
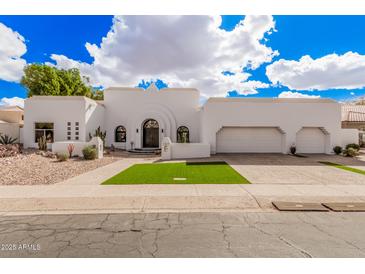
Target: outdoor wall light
[
  {"x": 137, "y": 130},
  {"x": 162, "y": 130}
]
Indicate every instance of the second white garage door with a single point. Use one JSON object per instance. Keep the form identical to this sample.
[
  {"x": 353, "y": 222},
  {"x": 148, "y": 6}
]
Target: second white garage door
[
  {"x": 249, "y": 139},
  {"x": 310, "y": 140}
]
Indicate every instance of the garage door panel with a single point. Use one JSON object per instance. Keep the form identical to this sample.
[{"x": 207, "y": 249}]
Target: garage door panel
[
  {"x": 249, "y": 140},
  {"x": 310, "y": 140}
]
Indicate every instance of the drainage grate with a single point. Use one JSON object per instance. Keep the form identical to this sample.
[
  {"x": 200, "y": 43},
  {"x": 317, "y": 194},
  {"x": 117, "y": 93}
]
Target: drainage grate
[
  {"x": 299, "y": 206},
  {"x": 345, "y": 206}
]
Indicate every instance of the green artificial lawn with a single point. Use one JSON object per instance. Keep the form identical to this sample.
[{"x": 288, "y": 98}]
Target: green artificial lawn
[
  {"x": 164, "y": 173},
  {"x": 344, "y": 167}
]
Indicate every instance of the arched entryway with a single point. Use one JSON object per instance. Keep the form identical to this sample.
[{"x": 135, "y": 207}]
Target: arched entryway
[{"x": 150, "y": 133}]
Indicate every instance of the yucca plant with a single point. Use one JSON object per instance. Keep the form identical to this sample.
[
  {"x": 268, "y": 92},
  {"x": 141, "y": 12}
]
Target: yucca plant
[{"x": 7, "y": 140}]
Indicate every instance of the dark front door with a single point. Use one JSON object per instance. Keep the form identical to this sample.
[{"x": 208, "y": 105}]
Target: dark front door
[{"x": 151, "y": 133}]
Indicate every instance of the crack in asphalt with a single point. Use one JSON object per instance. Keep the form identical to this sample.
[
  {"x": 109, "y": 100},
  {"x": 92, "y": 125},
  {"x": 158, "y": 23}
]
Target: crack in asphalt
[{"x": 168, "y": 234}]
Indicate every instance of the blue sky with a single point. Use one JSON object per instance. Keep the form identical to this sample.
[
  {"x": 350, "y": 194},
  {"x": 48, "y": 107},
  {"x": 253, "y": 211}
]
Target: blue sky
[{"x": 295, "y": 36}]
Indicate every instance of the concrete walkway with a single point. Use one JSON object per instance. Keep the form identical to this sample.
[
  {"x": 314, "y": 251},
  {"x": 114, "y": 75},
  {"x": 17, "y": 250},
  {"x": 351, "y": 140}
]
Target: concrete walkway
[
  {"x": 84, "y": 193},
  {"x": 62, "y": 198}
]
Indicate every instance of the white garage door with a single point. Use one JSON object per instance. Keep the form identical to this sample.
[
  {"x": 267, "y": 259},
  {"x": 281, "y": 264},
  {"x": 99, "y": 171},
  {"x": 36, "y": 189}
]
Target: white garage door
[
  {"x": 310, "y": 140},
  {"x": 249, "y": 139}
]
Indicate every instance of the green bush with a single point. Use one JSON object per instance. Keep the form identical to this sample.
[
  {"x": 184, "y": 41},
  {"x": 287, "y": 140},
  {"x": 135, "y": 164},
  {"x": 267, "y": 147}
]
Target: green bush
[
  {"x": 62, "y": 157},
  {"x": 354, "y": 146},
  {"x": 337, "y": 150},
  {"x": 89, "y": 153},
  {"x": 350, "y": 152}
]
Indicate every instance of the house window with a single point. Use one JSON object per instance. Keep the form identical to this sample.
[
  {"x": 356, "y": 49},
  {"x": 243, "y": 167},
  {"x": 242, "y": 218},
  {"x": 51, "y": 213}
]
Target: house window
[
  {"x": 77, "y": 124},
  {"x": 120, "y": 134},
  {"x": 69, "y": 123},
  {"x": 77, "y": 138},
  {"x": 68, "y": 138},
  {"x": 44, "y": 129},
  {"x": 183, "y": 135}
]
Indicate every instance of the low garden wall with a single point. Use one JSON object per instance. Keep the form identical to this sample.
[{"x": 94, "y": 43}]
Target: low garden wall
[
  {"x": 62, "y": 147},
  {"x": 171, "y": 150}
]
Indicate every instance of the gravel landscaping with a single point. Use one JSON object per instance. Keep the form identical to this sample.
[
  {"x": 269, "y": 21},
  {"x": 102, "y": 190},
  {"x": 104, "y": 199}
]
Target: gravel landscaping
[{"x": 29, "y": 168}]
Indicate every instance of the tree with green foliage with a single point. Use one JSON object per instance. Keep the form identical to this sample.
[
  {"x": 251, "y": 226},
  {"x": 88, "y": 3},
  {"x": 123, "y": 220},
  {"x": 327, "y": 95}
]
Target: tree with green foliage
[{"x": 40, "y": 79}]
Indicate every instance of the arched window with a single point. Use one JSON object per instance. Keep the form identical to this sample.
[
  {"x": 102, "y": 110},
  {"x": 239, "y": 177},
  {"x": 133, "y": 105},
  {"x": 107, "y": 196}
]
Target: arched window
[
  {"x": 120, "y": 134},
  {"x": 183, "y": 135}
]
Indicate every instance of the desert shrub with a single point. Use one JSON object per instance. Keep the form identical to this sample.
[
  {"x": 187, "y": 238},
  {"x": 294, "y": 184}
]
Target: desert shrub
[
  {"x": 350, "y": 152},
  {"x": 354, "y": 146},
  {"x": 337, "y": 150},
  {"x": 89, "y": 153},
  {"x": 62, "y": 157},
  {"x": 293, "y": 149}
]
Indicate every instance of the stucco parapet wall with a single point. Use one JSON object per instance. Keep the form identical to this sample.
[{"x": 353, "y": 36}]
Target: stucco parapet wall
[
  {"x": 64, "y": 98},
  {"x": 269, "y": 100}
]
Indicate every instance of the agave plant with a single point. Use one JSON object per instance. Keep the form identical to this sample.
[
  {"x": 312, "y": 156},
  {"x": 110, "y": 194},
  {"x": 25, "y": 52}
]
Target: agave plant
[{"x": 7, "y": 140}]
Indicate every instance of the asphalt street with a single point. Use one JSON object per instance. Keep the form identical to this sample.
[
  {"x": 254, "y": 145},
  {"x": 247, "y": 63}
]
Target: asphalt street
[{"x": 238, "y": 234}]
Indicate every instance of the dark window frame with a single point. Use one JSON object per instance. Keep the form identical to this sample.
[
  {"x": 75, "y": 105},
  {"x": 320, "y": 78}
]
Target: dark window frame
[
  {"x": 179, "y": 134},
  {"x": 44, "y": 129},
  {"x": 120, "y": 134}
]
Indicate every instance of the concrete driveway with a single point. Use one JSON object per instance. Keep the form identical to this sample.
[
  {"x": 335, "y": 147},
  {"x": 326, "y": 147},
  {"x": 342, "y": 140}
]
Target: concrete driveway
[{"x": 288, "y": 169}]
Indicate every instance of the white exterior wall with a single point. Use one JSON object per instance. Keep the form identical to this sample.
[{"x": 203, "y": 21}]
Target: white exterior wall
[
  {"x": 54, "y": 109},
  {"x": 11, "y": 129},
  {"x": 130, "y": 107},
  {"x": 171, "y": 108},
  {"x": 349, "y": 136},
  {"x": 288, "y": 115},
  {"x": 94, "y": 117}
]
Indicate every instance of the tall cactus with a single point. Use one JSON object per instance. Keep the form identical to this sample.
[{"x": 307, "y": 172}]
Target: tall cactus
[
  {"x": 42, "y": 143},
  {"x": 99, "y": 133}
]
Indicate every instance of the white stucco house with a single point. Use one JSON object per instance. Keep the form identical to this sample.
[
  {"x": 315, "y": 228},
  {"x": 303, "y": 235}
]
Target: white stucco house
[{"x": 135, "y": 118}]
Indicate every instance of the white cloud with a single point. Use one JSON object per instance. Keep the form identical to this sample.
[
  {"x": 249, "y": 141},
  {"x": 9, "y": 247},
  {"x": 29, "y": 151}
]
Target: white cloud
[
  {"x": 328, "y": 72},
  {"x": 187, "y": 51},
  {"x": 12, "y": 47},
  {"x": 290, "y": 94},
  {"x": 14, "y": 101}
]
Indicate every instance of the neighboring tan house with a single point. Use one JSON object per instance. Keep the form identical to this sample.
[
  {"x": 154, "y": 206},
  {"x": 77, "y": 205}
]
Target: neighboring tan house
[
  {"x": 353, "y": 116},
  {"x": 134, "y": 118},
  {"x": 11, "y": 120}
]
